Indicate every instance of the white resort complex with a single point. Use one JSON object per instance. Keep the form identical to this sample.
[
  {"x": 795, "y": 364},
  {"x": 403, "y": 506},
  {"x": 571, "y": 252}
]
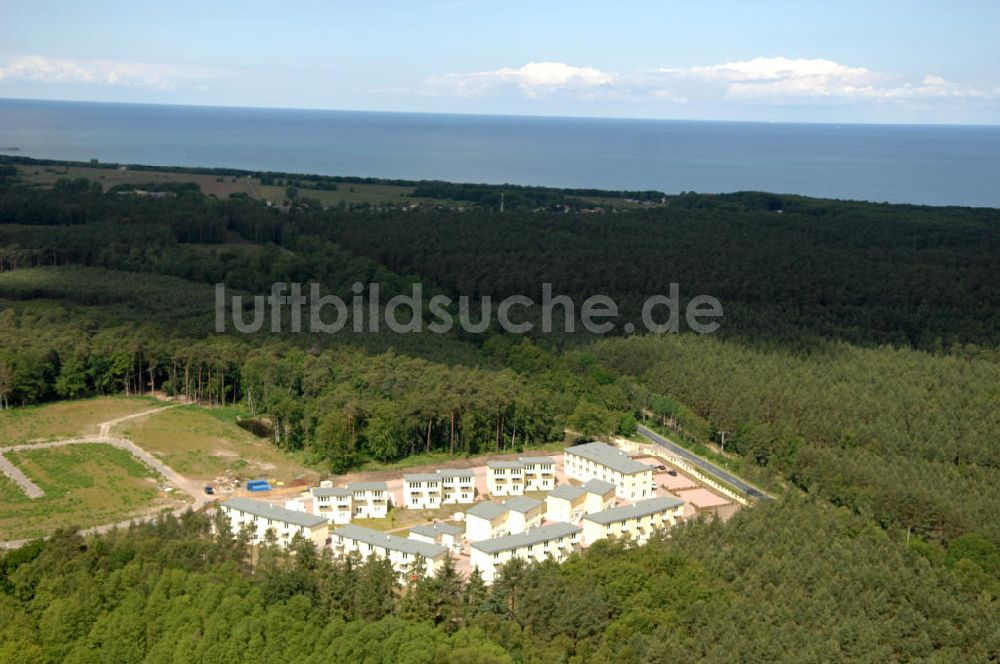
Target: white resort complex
[{"x": 609, "y": 495}]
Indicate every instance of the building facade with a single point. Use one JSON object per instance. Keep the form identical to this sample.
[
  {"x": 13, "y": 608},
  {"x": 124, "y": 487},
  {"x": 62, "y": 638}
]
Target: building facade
[
  {"x": 600, "y": 461},
  {"x": 447, "y": 535},
  {"x": 370, "y": 500},
  {"x": 485, "y": 520},
  {"x": 539, "y": 473},
  {"x": 422, "y": 491},
  {"x": 458, "y": 486},
  {"x": 404, "y": 554},
  {"x": 600, "y": 496},
  {"x": 567, "y": 503},
  {"x": 259, "y": 517},
  {"x": 555, "y": 540},
  {"x": 505, "y": 478},
  {"x": 523, "y": 513},
  {"x": 335, "y": 503},
  {"x": 637, "y": 521}
]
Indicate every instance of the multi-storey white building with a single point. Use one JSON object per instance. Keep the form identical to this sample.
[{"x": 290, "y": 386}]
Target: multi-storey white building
[
  {"x": 259, "y": 517},
  {"x": 370, "y": 500},
  {"x": 485, "y": 520},
  {"x": 457, "y": 486},
  {"x": 523, "y": 513},
  {"x": 505, "y": 478},
  {"x": 637, "y": 521},
  {"x": 402, "y": 553},
  {"x": 600, "y": 461},
  {"x": 600, "y": 496},
  {"x": 539, "y": 473},
  {"x": 557, "y": 540},
  {"x": 447, "y": 535},
  {"x": 333, "y": 502},
  {"x": 566, "y": 503},
  {"x": 422, "y": 491}
]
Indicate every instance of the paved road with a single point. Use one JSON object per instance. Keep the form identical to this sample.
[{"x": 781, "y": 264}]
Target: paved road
[{"x": 707, "y": 466}]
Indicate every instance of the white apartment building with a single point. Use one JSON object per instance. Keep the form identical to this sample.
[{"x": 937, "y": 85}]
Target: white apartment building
[
  {"x": 485, "y": 520},
  {"x": 402, "y": 553},
  {"x": 422, "y": 491},
  {"x": 259, "y": 517},
  {"x": 523, "y": 513},
  {"x": 370, "y": 500},
  {"x": 539, "y": 473},
  {"x": 457, "y": 486},
  {"x": 333, "y": 502},
  {"x": 600, "y": 496},
  {"x": 447, "y": 535},
  {"x": 637, "y": 521},
  {"x": 600, "y": 461},
  {"x": 567, "y": 503},
  {"x": 505, "y": 478},
  {"x": 557, "y": 540}
]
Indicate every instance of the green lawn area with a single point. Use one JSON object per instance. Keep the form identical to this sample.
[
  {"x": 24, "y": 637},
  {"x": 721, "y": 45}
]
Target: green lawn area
[
  {"x": 85, "y": 485},
  {"x": 205, "y": 442},
  {"x": 66, "y": 419},
  {"x": 402, "y": 518}
]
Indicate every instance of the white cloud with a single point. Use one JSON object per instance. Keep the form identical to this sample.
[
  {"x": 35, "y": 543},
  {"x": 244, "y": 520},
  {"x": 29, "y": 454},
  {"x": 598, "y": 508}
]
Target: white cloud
[
  {"x": 779, "y": 79},
  {"x": 97, "y": 72},
  {"x": 534, "y": 79}
]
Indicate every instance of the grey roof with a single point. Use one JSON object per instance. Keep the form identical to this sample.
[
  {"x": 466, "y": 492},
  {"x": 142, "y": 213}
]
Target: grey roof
[
  {"x": 522, "y": 504},
  {"x": 421, "y": 477},
  {"x": 369, "y": 486},
  {"x": 567, "y": 492},
  {"x": 600, "y": 487},
  {"x": 275, "y": 512},
  {"x": 531, "y": 537},
  {"x": 548, "y": 460},
  {"x": 457, "y": 472},
  {"x": 435, "y": 529},
  {"x": 504, "y": 464},
  {"x": 635, "y": 510},
  {"x": 386, "y": 541},
  {"x": 331, "y": 491},
  {"x": 609, "y": 456},
  {"x": 487, "y": 510}
]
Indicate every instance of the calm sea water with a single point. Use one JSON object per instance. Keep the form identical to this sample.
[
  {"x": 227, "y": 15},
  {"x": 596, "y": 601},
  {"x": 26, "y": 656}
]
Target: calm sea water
[{"x": 909, "y": 164}]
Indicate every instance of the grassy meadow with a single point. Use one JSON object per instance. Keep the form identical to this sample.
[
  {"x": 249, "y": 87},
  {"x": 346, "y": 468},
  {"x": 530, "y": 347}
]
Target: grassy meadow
[
  {"x": 84, "y": 485},
  {"x": 66, "y": 419},
  {"x": 204, "y": 443}
]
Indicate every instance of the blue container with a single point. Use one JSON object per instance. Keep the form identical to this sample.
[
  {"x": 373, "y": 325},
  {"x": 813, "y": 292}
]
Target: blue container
[{"x": 258, "y": 485}]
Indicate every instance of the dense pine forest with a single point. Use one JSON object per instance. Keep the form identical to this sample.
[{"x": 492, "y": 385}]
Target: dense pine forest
[{"x": 856, "y": 375}]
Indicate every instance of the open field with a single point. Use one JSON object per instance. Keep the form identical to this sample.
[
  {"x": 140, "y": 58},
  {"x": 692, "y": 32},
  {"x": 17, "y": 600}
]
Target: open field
[
  {"x": 66, "y": 419},
  {"x": 222, "y": 186},
  {"x": 85, "y": 485},
  {"x": 205, "y": 443}
]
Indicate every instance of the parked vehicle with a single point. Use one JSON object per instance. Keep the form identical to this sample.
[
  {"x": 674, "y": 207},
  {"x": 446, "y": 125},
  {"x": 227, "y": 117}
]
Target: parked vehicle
[{"x": 209, "y": 490}]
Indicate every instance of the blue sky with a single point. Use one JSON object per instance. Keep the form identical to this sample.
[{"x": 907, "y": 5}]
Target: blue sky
[{"x": 842, "y": 61}]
